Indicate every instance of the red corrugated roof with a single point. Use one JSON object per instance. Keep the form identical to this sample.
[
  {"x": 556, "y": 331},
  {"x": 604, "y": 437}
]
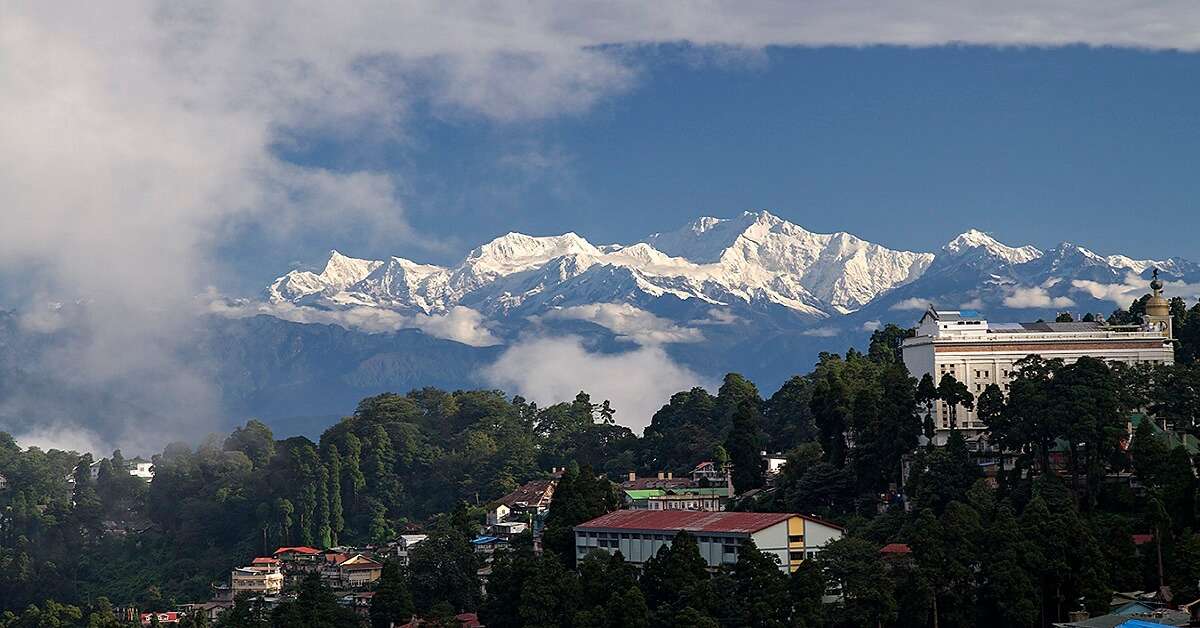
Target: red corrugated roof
[
  {"x": 690, "y": 520},
  {"x": 263, "y": 560},
  {"x": 297, "y": 550},
  {"x": 895, "y": 548},
  {"x": 1142, "y": 539}
]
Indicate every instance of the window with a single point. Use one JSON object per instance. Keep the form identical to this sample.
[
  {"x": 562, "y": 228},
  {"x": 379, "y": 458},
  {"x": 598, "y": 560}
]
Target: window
[
  {"x": 729, "y": 549},
  {"x": 795, "y": 538},
  {"x": 795, "y": 556},
  {"x": 635, "y": 535}
]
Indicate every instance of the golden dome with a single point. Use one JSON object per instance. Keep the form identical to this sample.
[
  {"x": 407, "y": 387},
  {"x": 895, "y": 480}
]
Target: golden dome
[{"x": 1157, "y": 304}]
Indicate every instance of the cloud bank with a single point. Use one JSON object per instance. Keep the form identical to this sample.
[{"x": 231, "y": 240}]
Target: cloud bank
[
  {"x": 1035, "y": 297},
  {"x": 460, "y": 324},
  {"x": 629, "y": 322},
  {"x": 1122, "y": 294},
  {"x": 549, "y": 370}
]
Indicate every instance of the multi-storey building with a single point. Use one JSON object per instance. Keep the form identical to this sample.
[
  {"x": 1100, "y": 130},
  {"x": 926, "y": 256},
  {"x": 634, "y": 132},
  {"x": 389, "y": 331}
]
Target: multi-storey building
[
  {"x": 640, "y": 534},
  {"x": 977, "y": 353},
  {"x": 262, "y": 577}
]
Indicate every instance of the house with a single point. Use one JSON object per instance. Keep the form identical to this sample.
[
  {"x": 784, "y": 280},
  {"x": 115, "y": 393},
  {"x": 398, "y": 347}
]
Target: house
[
  {"x": 401, "y": 546},
  {"x": 640, "y": 534},
  {"x": 486, "y": 546},
  {"x": 263, "y": 577},
  {"x": 171, "y": 617},
  {"x": 359, "y": 571},
  {"x": 773, "y": 464},
  {"x": 3, "y": 482},
  {"x": 664, "y": 480},
  {"x": 140, "y": 468},
  {"x": 298, "y": 559},
  {"x": 686, "y": 498},
  {"x": 506, "y": 530},
  {"x": 528, "y": 504},
  {"x": 709, "y": 473}
]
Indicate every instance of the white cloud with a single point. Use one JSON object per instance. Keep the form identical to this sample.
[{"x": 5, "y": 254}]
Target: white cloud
[
  {"x": 913, "y": 303},
  {"x": 1123, "y": 294},
  {"x": 871, "y": 325},
  {"x": 461, "y": 324},
  {"x": 718, "y": 316},
  {"x": 820, "y": 332},
  {"x": 973, "y": 304},
  {"x": 630, "y": 322},
  {"x": 65, "y": 438},
  {"x": 549, "y": 370},
  {"x": 1034, "y": 297}
]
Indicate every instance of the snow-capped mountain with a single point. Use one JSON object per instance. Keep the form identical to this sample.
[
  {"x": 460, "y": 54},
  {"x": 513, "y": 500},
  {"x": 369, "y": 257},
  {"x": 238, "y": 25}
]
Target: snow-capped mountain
[
  {"x": 755, "y": 262},
  {"x": 754, "y": 258}
]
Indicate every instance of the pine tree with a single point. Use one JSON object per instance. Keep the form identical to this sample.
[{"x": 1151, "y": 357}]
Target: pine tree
[{"x": 744, "y": 444}]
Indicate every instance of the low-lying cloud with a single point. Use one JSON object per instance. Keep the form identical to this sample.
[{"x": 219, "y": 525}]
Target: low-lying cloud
[
  {"x": 629, "y": 322},
  {"x": 549, "y": 370},
  {"x": 1034, "y": 297},
  {"x": 460, "y": 323},
  {"x": 1134, "y": 286},
  {"x": 912, "y": 303}
]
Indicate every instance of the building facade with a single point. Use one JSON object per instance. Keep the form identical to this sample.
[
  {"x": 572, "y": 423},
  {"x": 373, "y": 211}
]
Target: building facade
[
  {"x": 262, "y": 577},
  {"x": 977, "y": 353},
  {"x": 640, "y": 534}
]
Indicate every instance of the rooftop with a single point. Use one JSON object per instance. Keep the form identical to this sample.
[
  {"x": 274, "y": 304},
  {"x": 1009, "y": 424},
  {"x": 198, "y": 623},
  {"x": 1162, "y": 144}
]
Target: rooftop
[
  {"x": 297, "y": 550},
  {"x": 689, "y": 520},
  {"x": 536, "y": 492}
]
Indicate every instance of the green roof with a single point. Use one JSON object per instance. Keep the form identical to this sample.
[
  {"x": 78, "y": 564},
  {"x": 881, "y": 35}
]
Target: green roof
[
  {"x": 1170, "y": 439},
  {"x": 639, "y": 494}
]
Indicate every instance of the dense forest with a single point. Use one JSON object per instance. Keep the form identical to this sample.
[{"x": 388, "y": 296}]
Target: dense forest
[{"x": 1016, "y": 548}]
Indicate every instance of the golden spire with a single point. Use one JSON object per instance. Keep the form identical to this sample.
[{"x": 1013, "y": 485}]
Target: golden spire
[{"x": 1157, "y": 305}]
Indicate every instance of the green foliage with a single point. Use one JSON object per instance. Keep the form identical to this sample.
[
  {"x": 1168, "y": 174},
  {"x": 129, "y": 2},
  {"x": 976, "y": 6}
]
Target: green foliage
[
  {"x": 581, "y": 495},
  {"x": 852, "y": 565},
  {"x": 676, "y": 580},
  {"x": 314, "y": 607},
  {"x": 443, "y": 570},
  {"x": 392, "y": 603},
  {"x": 745, "y": 445}
]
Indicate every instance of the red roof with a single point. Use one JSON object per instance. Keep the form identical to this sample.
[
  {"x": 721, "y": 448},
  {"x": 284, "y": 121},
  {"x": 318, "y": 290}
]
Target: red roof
[
  {"x": 263, "y": 560},
  {"x": 297, "y": 550},
  {"x": 895, "y": 548},
  {"x": 1142, "y": 539},
  {"x": 690, "y": 520}
]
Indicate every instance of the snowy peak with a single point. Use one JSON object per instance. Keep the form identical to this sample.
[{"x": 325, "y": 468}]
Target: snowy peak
[
  {"x": 976, "y": 241},
  {"x": 340, "y": 273},
  {"x": 755, "y": 258}
]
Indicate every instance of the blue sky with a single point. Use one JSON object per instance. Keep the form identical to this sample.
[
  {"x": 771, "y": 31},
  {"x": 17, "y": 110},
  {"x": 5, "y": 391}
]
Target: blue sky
[{"x": 902, "y": 146}]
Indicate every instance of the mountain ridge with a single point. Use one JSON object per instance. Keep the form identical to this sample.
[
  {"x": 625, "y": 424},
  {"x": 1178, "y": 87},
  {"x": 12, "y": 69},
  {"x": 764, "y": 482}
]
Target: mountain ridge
[{"x": 755, "y": 259}]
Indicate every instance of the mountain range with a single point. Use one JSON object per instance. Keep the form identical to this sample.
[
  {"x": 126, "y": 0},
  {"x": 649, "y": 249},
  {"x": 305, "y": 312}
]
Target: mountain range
[
  {"x": 548, "y": 316},
  {"x": 756, "y": 262}
]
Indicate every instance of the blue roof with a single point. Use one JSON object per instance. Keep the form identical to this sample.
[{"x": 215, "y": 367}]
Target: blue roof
[
  {"x": 484, "y": 540},
  {"x": 1138, "y": 623}
]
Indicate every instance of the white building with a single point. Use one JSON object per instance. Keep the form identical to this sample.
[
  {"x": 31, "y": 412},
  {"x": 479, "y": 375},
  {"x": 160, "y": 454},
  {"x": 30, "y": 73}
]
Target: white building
[
  {"x": 640, "y": 534},
  {"x": 978, "y": 353},
  {"x": 262, "y": 577}
]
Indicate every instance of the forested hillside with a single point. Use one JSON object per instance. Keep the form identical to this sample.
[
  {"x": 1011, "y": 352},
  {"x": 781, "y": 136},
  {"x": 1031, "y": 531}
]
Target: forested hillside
[{"x": 1015, "y": 548}]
